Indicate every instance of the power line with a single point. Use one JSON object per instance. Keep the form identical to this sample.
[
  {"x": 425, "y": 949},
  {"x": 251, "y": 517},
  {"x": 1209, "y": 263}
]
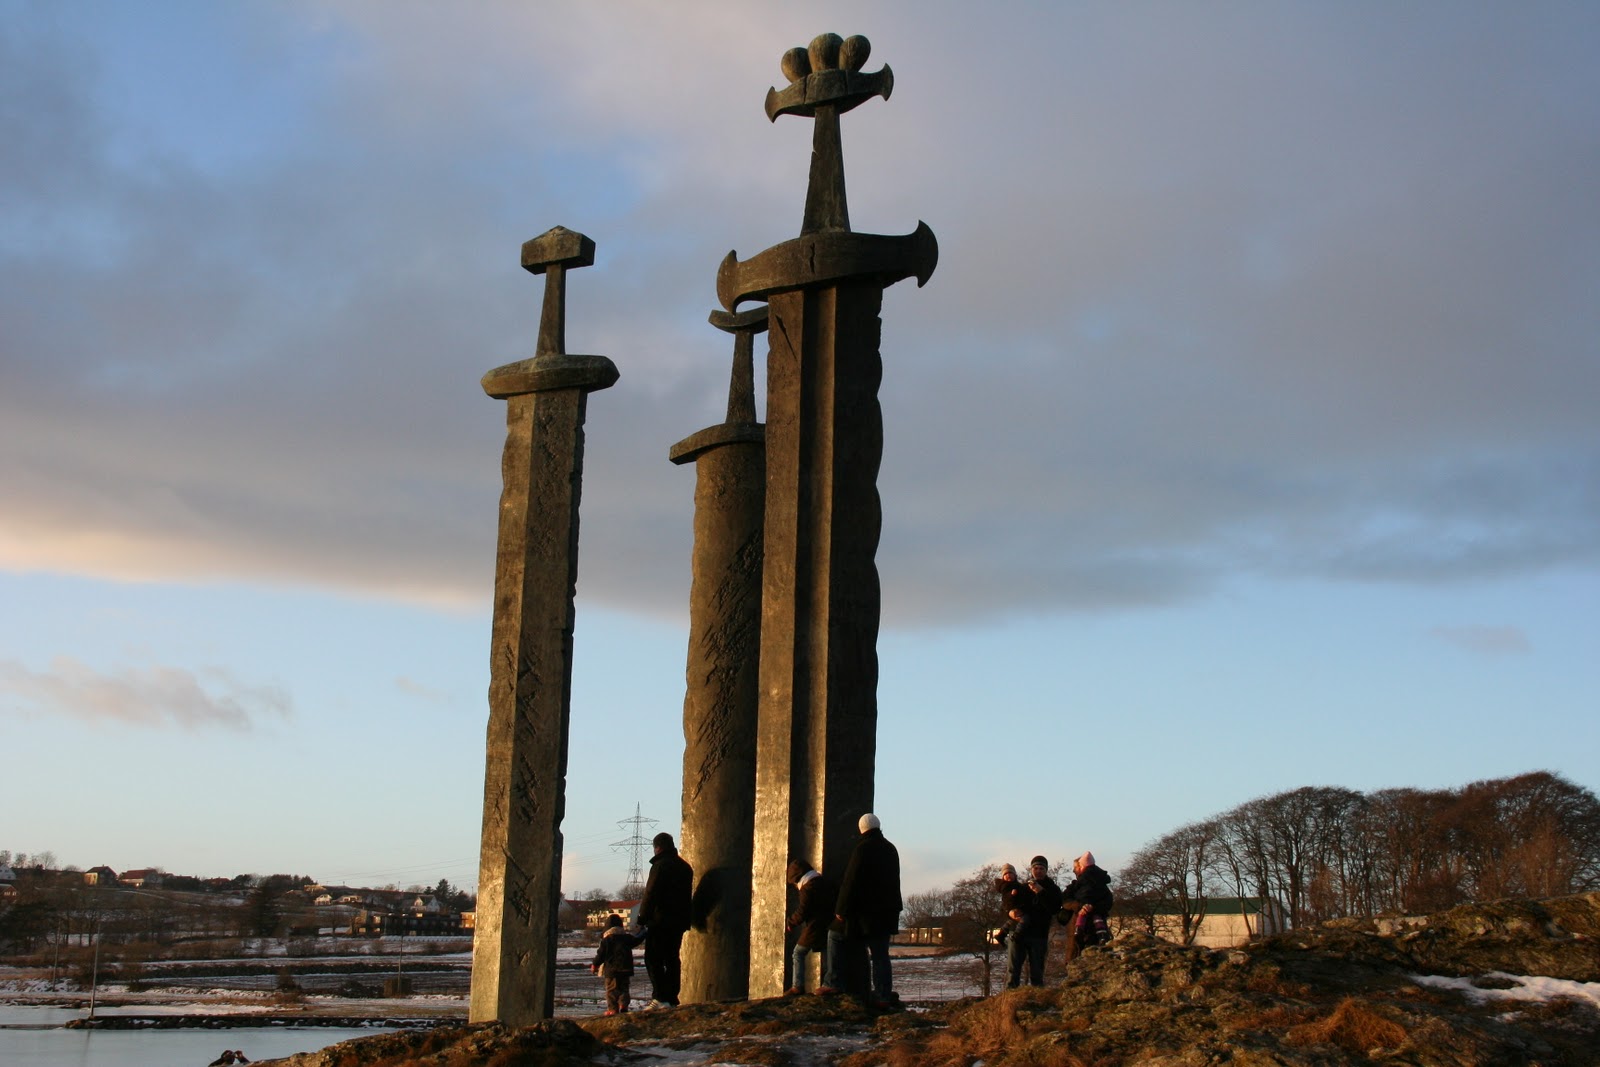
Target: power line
[{"x": 635, "y": 848}]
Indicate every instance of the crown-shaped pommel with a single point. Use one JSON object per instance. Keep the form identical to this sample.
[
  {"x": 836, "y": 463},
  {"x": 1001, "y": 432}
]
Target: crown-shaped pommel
[{"x": 828, "y": 72}]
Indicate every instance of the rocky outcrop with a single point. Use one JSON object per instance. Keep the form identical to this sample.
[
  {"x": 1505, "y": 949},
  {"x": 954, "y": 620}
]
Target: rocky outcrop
[{"x": 1344, "y": 993}]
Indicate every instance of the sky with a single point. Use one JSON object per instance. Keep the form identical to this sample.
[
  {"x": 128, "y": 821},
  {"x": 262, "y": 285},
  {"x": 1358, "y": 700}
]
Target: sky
[{"x": 1247, "y": 436}]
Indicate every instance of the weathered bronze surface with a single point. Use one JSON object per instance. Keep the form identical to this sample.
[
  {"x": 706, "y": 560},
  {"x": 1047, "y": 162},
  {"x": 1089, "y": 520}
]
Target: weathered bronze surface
[
  {"x": 817, "y": 739},
  {"x": 719, "y": 706},
  {"x": 530, "y": 672}
]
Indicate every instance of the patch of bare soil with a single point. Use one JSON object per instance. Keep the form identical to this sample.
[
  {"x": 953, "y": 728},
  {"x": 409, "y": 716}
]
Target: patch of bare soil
[{"x": 1340, "y": 994}]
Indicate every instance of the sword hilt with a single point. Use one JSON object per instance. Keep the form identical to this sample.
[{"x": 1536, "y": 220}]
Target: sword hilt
[{"x": 551, "y": 254}]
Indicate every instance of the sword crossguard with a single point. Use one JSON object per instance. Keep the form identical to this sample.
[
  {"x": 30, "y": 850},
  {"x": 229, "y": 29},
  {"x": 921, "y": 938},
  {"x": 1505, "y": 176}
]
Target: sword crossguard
[{"x": 741, "y": 426}]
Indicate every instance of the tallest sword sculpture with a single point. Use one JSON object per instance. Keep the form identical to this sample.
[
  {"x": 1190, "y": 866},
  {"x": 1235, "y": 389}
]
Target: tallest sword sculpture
[{"x": 817, "y": 732}]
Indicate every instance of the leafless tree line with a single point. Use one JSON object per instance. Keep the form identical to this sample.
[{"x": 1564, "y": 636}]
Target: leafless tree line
[{"x": 1324, "y": 852}]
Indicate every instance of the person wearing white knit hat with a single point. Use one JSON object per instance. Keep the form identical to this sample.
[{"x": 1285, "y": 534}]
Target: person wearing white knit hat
[{"x": 866, "y": 916}]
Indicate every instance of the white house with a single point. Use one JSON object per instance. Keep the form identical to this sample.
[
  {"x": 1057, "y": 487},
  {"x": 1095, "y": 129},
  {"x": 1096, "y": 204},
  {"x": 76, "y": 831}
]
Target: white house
[{"x": 1228, "y": 921}]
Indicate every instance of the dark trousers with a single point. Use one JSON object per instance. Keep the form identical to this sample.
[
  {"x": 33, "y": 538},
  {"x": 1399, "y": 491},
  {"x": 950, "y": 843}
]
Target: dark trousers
[
  {"x": 662, "y": 964},
  {"x": 852, "y": 972},
  {"x": 1030, "y": 950}
]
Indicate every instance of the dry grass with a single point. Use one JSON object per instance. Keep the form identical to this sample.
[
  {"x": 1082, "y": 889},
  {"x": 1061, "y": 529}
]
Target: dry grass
[
  {"x": 994, "y": 1026},
  {"x": 998, "y": 1031},
  {"x": 1352, "y": 1026},
  {"x": 1279, "y": 1018},
  {"x": 948, "y": 1049}
]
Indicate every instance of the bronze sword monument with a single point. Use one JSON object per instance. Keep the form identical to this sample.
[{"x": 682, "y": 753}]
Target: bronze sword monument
[
  {"x": 719, "y": 705},
  {"x": 530, "y": 669},
  {"x": 817, "y": 730}
]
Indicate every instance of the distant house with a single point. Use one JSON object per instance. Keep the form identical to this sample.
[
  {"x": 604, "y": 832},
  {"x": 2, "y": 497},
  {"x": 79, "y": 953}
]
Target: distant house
[
  {"x": 624, "y": 908},
  {"x": 930, "y": 932},
  {"x": 8, "y": 882},
  {"x": 424, "y": 917},
  {"x": 141, "y": 878},
  {"x": 99, "y": 876},
  {"x": 1227, "y": 921}
]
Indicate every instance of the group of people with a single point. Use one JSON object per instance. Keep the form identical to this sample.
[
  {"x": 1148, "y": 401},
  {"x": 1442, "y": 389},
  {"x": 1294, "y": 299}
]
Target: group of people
[
  {"x": 1031, "y": 907},
  {"x": 848, "y": 922}
]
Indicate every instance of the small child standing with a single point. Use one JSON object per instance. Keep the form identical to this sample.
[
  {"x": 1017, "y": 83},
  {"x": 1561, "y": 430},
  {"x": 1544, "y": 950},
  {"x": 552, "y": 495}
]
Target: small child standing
[{"x": 613, "y": 961}]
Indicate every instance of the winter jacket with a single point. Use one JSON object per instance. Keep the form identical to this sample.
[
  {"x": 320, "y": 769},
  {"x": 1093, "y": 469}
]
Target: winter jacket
[
  {"x": 1038, "y": 909},
  {"x": 869, "y": 893},
  {"x": 1014, "y": 896},
  {"x": 667, "y": 893},
  {"x": 1092, "y": 887},
  {"x": 615, "y": 954},
  {"x": 817, "y": 899}
]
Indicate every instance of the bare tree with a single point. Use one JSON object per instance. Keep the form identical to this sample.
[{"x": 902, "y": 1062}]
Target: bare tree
[
  {"x": 972, "y": 918},
  {"x": 1167, "y": 883}
]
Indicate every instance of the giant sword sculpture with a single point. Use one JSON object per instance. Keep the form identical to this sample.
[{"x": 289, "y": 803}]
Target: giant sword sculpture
[
  {"x": 817, "y": 732},
  {"x": 530, "y": 666}
]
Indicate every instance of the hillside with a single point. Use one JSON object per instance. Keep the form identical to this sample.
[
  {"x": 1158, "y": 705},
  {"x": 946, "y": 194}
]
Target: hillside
[{"x": 1352, "y": 992}]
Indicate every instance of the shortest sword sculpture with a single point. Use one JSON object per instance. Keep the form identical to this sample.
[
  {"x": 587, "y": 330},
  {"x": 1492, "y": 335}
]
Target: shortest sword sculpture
[{"x": 721, "y": 676}]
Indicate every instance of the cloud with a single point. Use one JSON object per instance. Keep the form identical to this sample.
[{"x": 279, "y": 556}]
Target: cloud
[
  {"x": 417, "y": 689},
  {"x": 1216, "y": 295},
  {"x": 1485, "y": 640},
  {"x": 155, "y": 697}
]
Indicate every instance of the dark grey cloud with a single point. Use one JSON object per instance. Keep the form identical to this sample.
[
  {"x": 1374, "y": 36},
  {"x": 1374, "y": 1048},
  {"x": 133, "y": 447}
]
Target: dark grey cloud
[{"x": 1254, "y": 290}]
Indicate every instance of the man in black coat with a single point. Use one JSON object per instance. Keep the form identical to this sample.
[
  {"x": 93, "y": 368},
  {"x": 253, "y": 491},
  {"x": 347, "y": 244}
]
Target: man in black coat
[
  {"x": 867, "y": 915},
  {"x": 664, "y": 912},
  {"x": 1037, "y": 911}
]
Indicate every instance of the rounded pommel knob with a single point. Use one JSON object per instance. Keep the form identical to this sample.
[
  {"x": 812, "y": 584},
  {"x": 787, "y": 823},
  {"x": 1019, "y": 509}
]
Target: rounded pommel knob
[
  {"x": 796, "y": 64},
  {"x": 824, "y": 51},
  {"x": 557, "y": 247},
  {"x": 854, "y": 52}
]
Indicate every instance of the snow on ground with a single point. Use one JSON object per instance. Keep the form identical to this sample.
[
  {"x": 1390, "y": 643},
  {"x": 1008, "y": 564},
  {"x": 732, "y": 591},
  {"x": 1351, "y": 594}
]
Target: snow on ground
[
  {"x": 920, "y": 979},
  {"x": 1527, "y": 988}
]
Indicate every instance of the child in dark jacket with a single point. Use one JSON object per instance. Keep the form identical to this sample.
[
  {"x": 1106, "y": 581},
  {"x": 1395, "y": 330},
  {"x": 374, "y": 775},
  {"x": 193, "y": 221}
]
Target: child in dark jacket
[
  {"x": 1014, "y": 896},
  {"x": 1090, "y": 890},
  {"x": 809, "y": 923},
  {"x": 613, "y": 961}
]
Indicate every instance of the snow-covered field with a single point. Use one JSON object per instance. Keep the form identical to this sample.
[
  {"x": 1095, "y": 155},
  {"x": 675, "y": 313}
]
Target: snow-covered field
[{"x": 329, "y": 986}]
